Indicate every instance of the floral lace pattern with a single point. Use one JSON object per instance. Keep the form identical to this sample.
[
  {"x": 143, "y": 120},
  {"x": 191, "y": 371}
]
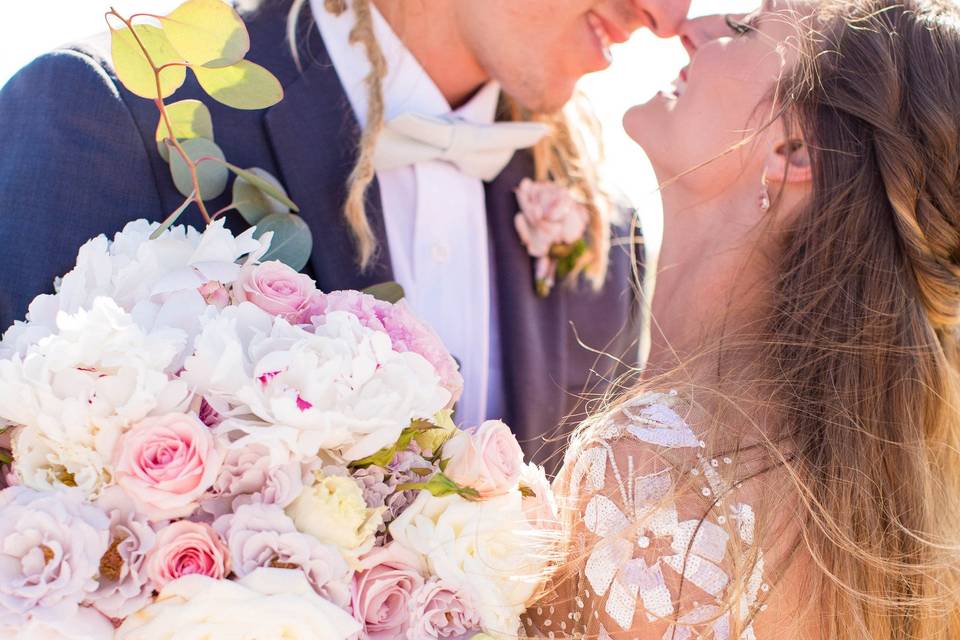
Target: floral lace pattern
[{"x": 661, "y": 545}]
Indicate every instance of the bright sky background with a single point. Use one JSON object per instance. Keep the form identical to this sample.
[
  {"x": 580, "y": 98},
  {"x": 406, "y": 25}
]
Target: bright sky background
[{"x": 641, "y": 67}]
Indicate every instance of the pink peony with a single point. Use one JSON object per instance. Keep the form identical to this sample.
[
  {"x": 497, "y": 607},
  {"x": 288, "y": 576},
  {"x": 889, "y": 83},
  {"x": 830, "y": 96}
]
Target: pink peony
[
  {"x": 438, "y": 611},
  {"x": 50, "y": 550},
  {"x": 548, "y": 216},
  {"x": 488, "y": 459},
  {"x": 123, "y": 577},
  {"x": 382, "y": 590},
  {"x": 406, "y": 331},
  {"x": 187, "y": 548},
  {"x": 277, "y": 289},
  {"x": 166, "y": 463}
]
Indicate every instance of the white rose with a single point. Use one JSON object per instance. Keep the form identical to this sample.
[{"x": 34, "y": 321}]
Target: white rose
[
  {"x": 268, "y": 603},
  {"x": 333, "y": 510},
  {"x": 340, "y": 385},
  {"x": 486, "y": 549}
]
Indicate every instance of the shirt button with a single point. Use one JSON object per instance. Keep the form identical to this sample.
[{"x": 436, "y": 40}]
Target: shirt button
[{"x": 440, "y": 253}]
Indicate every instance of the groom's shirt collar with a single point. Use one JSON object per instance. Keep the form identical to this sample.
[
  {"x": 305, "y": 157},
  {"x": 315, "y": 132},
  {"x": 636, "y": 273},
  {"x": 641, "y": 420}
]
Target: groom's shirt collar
[{"x": 407, "y": 87}]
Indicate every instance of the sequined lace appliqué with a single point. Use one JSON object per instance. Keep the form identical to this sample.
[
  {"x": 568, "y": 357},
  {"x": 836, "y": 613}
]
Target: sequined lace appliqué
[{"x": 640, "y": 542}]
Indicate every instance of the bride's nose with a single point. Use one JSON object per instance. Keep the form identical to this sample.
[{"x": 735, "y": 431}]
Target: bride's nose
[{"x": 696, "y": 32}]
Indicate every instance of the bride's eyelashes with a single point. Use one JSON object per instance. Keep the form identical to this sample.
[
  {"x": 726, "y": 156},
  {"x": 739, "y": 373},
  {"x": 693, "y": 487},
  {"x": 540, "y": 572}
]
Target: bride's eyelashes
[{"x": 740, "y": 28}]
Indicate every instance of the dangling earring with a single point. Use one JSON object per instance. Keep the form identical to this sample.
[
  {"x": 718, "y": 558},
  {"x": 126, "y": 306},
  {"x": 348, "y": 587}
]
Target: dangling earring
[{"x": 764, "y": 200}]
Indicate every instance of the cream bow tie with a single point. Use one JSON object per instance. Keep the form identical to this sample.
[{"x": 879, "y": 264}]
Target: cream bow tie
[{"x": 479, "y": 150}]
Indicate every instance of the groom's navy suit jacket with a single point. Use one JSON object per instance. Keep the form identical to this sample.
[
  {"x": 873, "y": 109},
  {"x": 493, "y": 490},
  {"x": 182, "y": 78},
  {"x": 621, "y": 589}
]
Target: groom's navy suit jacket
[{"x": 78, "y": 158}]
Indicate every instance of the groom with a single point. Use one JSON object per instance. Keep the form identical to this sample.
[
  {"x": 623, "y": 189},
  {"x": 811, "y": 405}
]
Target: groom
[{"x": 79, "y": 159}]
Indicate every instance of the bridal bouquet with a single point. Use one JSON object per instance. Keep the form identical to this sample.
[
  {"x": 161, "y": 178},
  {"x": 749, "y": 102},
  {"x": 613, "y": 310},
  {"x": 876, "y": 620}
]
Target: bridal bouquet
[{"x": 198, "y": 443}]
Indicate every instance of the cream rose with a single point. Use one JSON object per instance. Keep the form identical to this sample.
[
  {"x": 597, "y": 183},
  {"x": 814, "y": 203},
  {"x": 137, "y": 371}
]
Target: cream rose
[
  {"x": 333, "y": 511},
  {"x": 268, "y": 603}
]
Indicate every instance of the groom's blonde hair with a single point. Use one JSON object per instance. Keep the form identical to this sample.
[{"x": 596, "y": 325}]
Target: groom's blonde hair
[{"x": 564, "y": 155}]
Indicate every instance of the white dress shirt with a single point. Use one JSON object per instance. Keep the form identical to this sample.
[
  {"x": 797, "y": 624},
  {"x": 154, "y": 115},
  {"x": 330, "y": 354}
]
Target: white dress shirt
[{"x": 435, "y": 216}]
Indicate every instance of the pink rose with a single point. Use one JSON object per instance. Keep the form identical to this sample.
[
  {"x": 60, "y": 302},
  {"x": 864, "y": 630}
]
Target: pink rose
[
  {"x": 548, "y": 216},
  {"x": 165, "y": 463},
  {"x": 382, "y": 589},
  {"x": 406, "y": 331},
  {"x": 277, "y": 289},
  {"x": 185, "y": 548},
  {"x": 488, "y": 459},
  {"x": 438, "y": 611}
]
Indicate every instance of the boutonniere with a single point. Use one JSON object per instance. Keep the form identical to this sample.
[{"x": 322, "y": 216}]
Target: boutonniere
[{"x": 551, "y": 225}]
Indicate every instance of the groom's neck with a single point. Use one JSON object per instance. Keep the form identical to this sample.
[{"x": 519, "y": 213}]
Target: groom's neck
[{"x": 430, "y": 32}]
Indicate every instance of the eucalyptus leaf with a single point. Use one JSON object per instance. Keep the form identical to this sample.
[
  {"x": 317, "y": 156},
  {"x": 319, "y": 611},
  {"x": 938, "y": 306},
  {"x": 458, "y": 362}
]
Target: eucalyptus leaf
[
  {"x": 257, "y": 194},
  {"x": 207, "y": 32},
  {"x": 244, "y": 85},
  {"x": 390, "y": 292},
  {"x": 172, "y": 218},
  {"x": 292, "y": 241},
  {"x": 212, "y": 175},
  {"x": 189, "y": 119},
  {"x": 132, "y": 67}
]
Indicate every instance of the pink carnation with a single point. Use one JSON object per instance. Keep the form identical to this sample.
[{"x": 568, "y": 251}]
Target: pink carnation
[
  {"x": 165, "y": 463},
  {"x": 406, "y": 331},
  {"x": 187, "y": 548}
]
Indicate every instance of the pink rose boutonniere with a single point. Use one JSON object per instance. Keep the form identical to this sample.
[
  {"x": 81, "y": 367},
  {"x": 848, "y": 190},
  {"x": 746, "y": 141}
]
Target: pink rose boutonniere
[{"x": 552, "y": 225}]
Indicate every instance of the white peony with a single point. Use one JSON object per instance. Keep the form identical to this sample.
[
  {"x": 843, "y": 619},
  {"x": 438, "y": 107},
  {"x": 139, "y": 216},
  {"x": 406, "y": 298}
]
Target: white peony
[
  {"x": 486, "y": 549},
  {"x": 83, "y": 624},
  {"x": 75, "y": 392},
  {"x": 341, "y": 387},
  {"x": 157, "y": 281},
  {"x": 268, "y": 603}
]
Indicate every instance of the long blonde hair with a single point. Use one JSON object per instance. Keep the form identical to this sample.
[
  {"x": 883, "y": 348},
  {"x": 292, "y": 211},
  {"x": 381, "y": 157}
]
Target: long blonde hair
[{"x": 563, "y": 156}]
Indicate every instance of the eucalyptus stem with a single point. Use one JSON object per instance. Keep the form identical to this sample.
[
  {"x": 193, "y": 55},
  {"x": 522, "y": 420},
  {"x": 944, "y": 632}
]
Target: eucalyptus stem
[{"x": 158, "y": 101}]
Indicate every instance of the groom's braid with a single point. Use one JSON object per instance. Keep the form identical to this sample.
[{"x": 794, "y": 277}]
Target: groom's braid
[{"x": 562, "y": 156}]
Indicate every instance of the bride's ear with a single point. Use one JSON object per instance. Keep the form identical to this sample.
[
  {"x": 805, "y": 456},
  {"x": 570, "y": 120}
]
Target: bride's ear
[{"x": 789, "y": 162}]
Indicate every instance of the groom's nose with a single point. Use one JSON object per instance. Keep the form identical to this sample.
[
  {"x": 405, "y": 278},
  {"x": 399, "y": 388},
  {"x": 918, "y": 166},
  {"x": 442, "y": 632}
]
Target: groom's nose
[{"x": 663, "y": 17}]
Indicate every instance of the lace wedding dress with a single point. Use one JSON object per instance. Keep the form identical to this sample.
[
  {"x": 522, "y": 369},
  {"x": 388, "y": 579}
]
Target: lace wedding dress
[{"x": 662, "y": 543}]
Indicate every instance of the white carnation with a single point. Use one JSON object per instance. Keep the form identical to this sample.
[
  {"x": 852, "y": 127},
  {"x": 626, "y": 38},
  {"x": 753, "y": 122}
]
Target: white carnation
[{"x": 341, "y": 387}]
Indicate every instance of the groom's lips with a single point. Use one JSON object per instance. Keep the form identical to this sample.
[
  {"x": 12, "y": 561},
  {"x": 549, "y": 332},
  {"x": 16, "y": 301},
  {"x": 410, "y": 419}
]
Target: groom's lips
[{"x": 607, "y": 30}]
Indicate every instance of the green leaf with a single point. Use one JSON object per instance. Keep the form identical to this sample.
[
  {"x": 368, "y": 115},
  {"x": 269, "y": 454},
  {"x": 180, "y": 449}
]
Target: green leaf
[
  {"x": 207, "y": 32},
  {"x": 386, "y": 455},
  {"x": 390, "y": 292},
  {"x": 189, "y": 119},
  {"x": 257, "y": 194},
  {"x": 292, "y": 241},
  {"x": 132, "y": 67},
  {"x": 440, "y": 485},
  {"x": 170, "y": 219},
  {"x": 212, "y": 175},
  {"x": 6, "y": 456},
  {"x": 244, "y": 85}
]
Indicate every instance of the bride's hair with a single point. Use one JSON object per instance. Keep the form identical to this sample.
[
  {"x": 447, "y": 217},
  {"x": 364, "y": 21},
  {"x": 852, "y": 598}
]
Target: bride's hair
[
  {"x": 858, "y": 360},
  {"x": 563, "y": 155},
  {"x": 862, "y": 343}
]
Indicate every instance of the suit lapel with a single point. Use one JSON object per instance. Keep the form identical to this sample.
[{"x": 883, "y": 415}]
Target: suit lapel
[
  {"x": 531, "y": 328},
  {"x": 314, "y": 134}
]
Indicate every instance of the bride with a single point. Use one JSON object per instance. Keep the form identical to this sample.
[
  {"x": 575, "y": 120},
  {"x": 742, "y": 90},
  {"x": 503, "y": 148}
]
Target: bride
[{"x": 789, "y": 467}]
